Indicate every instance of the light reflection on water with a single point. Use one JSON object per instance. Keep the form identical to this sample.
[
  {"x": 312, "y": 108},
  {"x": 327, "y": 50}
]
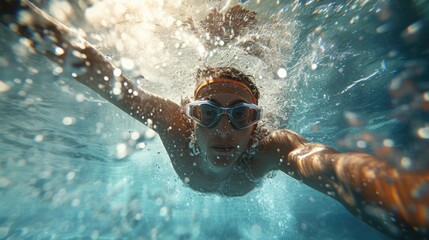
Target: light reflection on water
[{"x": 70, "y": 166}]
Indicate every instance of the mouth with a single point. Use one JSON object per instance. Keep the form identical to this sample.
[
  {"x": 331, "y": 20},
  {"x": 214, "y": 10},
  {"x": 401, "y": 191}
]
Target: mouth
[{"x": 224, "y": 149}]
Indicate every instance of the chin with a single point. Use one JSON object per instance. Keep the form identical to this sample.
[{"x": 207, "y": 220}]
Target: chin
[{"x": 222, "y": 161}]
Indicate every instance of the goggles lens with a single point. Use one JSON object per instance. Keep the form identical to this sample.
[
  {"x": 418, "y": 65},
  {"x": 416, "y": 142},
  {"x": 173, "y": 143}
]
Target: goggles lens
[{"x": 207, "y": 113}]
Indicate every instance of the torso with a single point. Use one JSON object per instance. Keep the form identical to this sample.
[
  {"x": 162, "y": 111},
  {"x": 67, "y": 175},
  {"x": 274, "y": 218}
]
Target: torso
[{"x": 239, "y": 183}]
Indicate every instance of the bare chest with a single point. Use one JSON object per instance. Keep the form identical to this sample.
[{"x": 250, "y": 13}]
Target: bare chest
[{"x": 240, "y": 182}]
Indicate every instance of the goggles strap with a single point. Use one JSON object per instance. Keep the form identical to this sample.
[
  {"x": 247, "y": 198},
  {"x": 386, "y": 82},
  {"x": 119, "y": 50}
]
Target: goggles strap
[{"x": 223, "y": 80}]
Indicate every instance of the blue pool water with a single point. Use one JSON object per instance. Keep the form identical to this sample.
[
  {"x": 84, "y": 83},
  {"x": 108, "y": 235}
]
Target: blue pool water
[{"x": 72, "y": 166}]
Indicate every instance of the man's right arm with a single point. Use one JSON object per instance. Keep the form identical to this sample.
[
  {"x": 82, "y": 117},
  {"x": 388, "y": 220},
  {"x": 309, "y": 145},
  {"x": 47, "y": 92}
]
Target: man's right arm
[{"x": 46, "y": 36}]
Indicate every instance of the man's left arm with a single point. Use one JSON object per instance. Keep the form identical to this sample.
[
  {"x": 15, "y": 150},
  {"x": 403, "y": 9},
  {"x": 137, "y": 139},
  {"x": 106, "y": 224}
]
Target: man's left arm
[{"x": 393, "y": 201}]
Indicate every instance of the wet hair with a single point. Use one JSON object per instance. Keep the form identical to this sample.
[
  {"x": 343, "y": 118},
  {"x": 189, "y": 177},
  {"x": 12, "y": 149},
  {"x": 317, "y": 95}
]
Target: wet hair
[{"x": 230, "y": 73}]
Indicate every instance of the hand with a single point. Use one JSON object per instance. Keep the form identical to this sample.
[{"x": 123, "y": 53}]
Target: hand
[
  {"x": 43, "y": 34},
  {"x": 225, "y": 26}
]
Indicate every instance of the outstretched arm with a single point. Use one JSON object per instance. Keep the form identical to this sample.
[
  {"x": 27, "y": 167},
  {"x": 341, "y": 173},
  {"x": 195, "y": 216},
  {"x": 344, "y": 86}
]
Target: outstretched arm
[
  {"x": 393, "y": 201},
  {"x": 62, "y": 45}
]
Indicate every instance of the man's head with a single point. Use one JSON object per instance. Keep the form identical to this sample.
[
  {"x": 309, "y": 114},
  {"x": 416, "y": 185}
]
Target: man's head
[{"x": 225, "y": 115}]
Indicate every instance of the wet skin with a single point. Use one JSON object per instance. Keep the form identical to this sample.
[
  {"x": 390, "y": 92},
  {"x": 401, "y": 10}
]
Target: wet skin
[{"x": 392, "y": 200}]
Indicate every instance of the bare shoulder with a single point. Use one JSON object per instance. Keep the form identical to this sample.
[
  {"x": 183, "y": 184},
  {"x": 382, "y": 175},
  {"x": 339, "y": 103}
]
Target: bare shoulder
[
  {"x": 273, "y": 150},
  {"x": 281, "y": 140}
]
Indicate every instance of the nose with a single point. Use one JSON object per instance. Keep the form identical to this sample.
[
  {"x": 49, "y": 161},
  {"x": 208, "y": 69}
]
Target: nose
[{"x": 224, "y": 127}]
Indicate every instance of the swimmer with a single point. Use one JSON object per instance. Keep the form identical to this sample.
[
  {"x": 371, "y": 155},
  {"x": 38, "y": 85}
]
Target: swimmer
[{"x": 216, "y": 146}]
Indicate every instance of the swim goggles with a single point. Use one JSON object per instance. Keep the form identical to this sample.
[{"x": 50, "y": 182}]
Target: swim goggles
[{"x": 207, "y": 113}]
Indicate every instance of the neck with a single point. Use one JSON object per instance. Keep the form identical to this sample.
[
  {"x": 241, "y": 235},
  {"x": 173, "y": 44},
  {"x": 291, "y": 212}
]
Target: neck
[{"x": 214, "y": 173}]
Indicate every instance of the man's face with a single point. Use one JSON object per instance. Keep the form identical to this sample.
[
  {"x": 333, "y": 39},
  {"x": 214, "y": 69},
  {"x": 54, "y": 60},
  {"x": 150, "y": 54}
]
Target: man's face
[{"x": 222, "y": 144}]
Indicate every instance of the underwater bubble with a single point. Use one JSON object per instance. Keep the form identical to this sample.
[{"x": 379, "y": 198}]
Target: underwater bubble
[
  {"x": 45, "y": 174},
  {"x": 69, "y": 121},
  {"x": 135, "y": 135},
  {"x": 80, "y": 97},
  {"x": 313, "y": 66},
  {"x": 412, "y": 32},
  {"x": 33, "y": 70},
  {"x": 70, "y": 176},
  {"x": 392, "y": 53},
  {"x": 116, "y": 91},
  {"x": 426, "y": 96},
  {"x": 353, "y": 119},
  {"x": 149, "y": 134},
  {"x": 117, "y": 72},
  {"x": 75, "y": 202},
  {"x": 423, "y": 132},
  {"x": 57, "y": 70},
  {"x": 59, "y": 51},
  {"x": 122, "y": 150},
  {"x": 138, "y": 216},
  {"x": 39, "y": 138},
  {"x": 78, "y": 54},
  {"x": 4, "y": 87},
  {"x": 405, "y": 162},
  {"x": 354, "y": 19},
  {"x": 61, "y": 10},
  {"x": 163, "y": 211},
  {"x": 25, "y": 18},
  {"x": 22, "y": 93},
  {"x": 140, "y": 145},
  {"x": 388, "y": 142},
  {"x": 127, "y": 63},
  {"x": 282, "y": 73},
  {"x": 384, "y": 28}
]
